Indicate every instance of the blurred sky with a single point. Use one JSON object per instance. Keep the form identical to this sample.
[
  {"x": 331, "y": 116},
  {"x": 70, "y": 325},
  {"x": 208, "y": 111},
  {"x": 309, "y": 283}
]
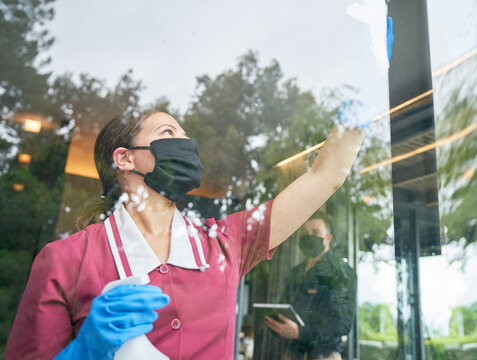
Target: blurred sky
[{"x": 168, "y": 44}]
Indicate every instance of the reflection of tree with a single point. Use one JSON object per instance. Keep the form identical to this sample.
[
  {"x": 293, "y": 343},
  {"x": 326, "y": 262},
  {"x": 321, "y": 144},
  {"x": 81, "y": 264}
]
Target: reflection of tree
[
  {"x": 23, "y": 38},
  {"x": 250, "y": 116},
  {"x": 367, "y": 196},
  {"x": 22, "y": 84},
  {"x": 26, "y": 215},
  {"x": 31, "y": 193},
  {"x": 456, "y": 92},
  {"x": 370, "y": 193},
  {"x": 248, "y": 119},
  {"x": 90, "y": 102}
]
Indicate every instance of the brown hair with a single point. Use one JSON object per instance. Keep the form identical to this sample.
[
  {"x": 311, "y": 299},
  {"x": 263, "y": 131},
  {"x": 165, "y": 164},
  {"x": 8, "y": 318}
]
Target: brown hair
[
  {"x": 118, "y": 132},
  {"x": 325, "y": 216}
]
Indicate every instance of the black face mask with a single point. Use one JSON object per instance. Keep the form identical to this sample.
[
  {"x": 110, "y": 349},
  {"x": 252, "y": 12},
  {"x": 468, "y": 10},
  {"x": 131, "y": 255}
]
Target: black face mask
[
  {"x": 311, "y": 245},
  {"x": 178, "y": 169}
]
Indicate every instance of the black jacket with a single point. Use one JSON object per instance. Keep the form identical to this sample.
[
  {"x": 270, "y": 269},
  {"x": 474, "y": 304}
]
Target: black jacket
[{"x": 325, "y": 299}]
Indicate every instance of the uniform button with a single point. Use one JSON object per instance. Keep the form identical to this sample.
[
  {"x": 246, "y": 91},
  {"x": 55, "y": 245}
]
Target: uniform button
[
  {"x": 163, "y": 269},
  {"x": 176, "y": 324}
]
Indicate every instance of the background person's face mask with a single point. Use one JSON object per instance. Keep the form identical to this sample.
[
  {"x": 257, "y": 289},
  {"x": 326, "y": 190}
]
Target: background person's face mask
[
  {"x": 311, "y": 245},
  {"x": 178, "y": 169}
]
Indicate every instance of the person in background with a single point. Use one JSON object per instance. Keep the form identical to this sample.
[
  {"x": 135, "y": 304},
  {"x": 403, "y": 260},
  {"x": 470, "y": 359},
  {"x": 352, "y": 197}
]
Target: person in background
[{"x": 322, "y": 289}]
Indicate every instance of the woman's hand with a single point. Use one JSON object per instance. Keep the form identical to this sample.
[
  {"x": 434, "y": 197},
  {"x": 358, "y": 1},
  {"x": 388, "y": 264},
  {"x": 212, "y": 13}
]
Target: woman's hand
[
  {"x": 286, "y": 328},
  {"x": 338, "y": 153},
  {"x": 116, "y": 316}
]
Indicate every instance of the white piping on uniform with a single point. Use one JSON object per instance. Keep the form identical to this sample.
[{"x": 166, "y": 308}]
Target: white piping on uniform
[
  {"x": 193, "y": 231},
  {"x": 114, "y": 249}
]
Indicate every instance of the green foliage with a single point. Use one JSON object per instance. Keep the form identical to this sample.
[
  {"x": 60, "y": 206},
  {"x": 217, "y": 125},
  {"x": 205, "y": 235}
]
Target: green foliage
[
  {"x": 457, "y": 158},
  {"x": 27, "y": 217},
  {"x": 23, "y": 38},
  {"x": 466, "y": 317},
  {"x": 90, "y": 102},
  {"x": 26, "y": 212},
  {"x": 75, "y": 200},
  {"x": 249, "y": 116},
  {"x": 439, "y": 347},
  {"x": 376, "y": 319}
]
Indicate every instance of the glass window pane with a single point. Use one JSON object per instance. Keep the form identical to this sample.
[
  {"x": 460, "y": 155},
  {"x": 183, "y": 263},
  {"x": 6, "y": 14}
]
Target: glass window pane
[{"x": 259, "y": 86}]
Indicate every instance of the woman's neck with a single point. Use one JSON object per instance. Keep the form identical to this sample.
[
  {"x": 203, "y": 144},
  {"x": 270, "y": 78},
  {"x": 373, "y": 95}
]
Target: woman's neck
[{"x": 151, "y": 212}]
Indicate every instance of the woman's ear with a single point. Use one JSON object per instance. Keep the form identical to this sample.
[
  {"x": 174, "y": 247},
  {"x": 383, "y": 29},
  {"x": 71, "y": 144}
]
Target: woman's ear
[{"x": 123, "y": 159}]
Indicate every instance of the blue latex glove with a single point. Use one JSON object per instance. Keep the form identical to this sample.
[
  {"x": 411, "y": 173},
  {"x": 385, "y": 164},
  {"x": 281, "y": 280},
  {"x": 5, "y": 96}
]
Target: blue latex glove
[
  {"x": 116, "y": 316},
  {"x": 390, "y": 37}
]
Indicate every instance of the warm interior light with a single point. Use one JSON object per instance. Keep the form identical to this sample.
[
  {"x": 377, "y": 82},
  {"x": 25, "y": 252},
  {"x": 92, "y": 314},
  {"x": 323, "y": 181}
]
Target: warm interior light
[
  {"x": 438, "y": 143},
  {"x": 24, "y": 158},
  {"x": 304, "y": 152},
  {"x": 403, "y": 105},
  {"x": 469, "y": 173},
  {"x": 80, "y": 159},
  {"x": 367, "y": 199},
  {"x": 18, "y": 187},
  {"x": 454, "y": 63},
  {"x": 437, "y": 73},
  {"x": 33, "y": 126}
]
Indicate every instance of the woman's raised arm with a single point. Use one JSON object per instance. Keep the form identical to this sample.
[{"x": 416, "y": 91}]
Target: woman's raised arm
[{"x": 299, "y": 200}]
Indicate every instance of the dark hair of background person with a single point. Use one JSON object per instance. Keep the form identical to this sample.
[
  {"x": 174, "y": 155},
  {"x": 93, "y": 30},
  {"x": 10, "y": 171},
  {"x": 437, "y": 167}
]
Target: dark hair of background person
[
  {"x": 118, "y": 132},
  {"x": 325, "y": 216},
  {"x": 337, "y": 246}
]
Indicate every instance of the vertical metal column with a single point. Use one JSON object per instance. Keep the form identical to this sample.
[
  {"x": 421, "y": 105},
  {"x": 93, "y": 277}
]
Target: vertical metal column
[
  {"x": 415, "y": 204},
  {"x": 411, "y": 341},
  {"x": 351, "y": 251},
  {"x": 241, "y": 310},
  {"x": 353, "y": 340}
]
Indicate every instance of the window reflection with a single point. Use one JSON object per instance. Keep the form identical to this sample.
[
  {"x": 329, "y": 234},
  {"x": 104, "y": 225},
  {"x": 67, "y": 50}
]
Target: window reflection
[{"x": 258, "y": 129}]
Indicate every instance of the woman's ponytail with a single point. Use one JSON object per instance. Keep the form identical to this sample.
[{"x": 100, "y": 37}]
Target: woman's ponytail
[{"x": 93, "y": 213}]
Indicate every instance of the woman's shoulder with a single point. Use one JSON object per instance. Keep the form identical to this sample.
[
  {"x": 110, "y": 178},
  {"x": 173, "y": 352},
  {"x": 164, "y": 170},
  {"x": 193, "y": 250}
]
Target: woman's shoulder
[
  {"x": 76, "y": 242},
  {"x": 244, "y": 220}
]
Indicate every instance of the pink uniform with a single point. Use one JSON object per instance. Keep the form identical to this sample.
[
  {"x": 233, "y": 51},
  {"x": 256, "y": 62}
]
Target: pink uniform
[{"x": 201, "y": 276}]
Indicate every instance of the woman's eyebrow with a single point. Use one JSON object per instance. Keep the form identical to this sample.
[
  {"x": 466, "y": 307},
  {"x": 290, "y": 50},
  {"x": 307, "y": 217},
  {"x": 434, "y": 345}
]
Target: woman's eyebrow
[{"x": 160, "y": 126}]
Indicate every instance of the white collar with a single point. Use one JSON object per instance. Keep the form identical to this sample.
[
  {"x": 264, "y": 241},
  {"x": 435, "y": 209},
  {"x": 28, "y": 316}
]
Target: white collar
[{"x": 141, "y": 257}]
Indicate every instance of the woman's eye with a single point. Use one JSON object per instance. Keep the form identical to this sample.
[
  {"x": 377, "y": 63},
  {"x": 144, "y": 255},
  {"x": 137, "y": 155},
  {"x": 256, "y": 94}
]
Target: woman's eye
[{"x": 168, "y": 131}]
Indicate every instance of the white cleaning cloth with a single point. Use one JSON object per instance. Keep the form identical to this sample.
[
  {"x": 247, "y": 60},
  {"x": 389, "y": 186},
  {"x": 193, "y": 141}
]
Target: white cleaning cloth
[{"x": 374, "y": 13}]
